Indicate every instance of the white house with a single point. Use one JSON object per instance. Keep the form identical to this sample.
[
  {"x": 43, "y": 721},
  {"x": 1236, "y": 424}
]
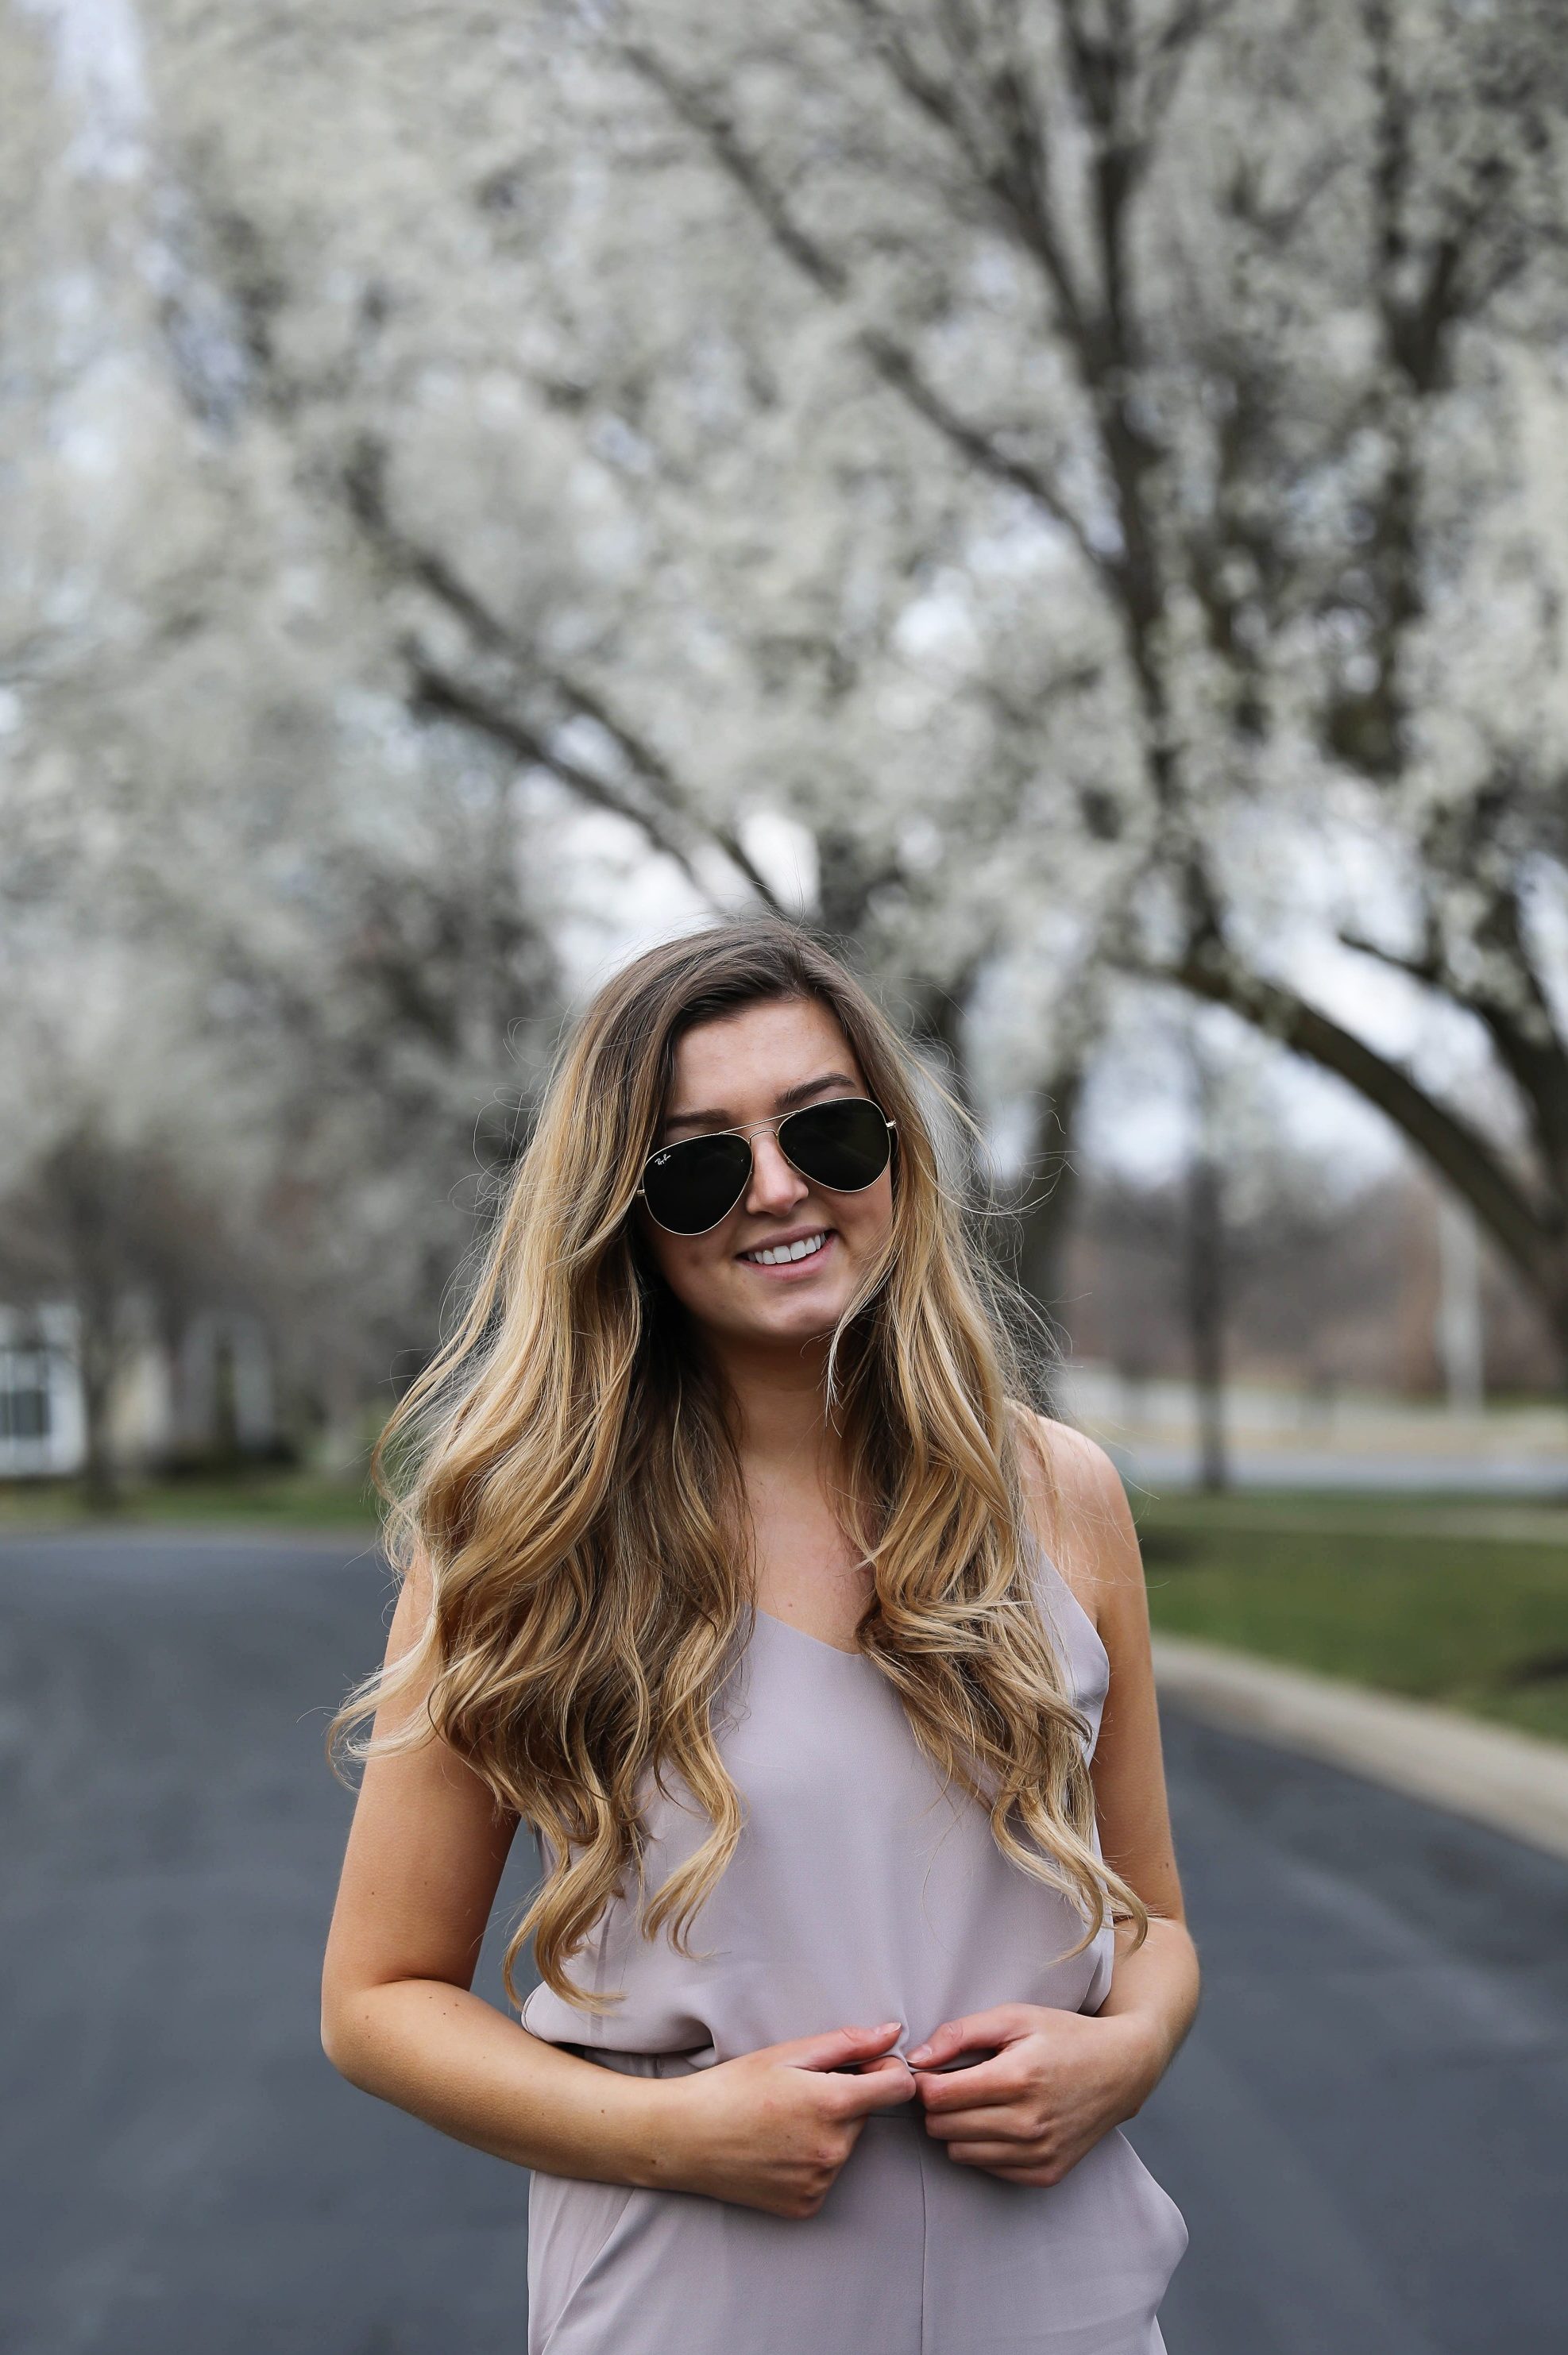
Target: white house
[
  {"x": 42, "y": 1427},
  {"x": 216, "y": 1394}
]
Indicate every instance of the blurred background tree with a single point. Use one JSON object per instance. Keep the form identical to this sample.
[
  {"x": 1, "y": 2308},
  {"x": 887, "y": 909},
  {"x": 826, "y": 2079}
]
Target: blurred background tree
[{"x": 1070, "y": 498}]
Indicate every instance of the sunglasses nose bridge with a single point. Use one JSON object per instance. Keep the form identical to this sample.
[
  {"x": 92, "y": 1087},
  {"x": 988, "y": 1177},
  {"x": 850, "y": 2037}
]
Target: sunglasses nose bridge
[{"x": 773, "y": 1173}]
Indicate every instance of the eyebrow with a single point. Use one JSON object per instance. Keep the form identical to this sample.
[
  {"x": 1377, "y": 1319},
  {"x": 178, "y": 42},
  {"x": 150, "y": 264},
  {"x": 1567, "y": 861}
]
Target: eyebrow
[{"x": 717, "y": 1117}]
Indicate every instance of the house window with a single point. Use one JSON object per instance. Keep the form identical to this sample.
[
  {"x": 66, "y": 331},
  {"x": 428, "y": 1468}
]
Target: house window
[{"x": 24, "y": 1394}]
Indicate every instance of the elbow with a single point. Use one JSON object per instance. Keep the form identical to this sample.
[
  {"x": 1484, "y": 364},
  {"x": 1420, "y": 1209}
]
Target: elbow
[
  {"x": 334, "y": 2045},
  {"x": 343, "y": 2037}
]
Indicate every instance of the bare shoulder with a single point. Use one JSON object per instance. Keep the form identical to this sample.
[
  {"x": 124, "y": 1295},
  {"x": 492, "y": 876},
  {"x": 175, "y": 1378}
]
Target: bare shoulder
[
  {"x": 1079, "y": 1513},
  {"x": 1070, "y": 1485}
]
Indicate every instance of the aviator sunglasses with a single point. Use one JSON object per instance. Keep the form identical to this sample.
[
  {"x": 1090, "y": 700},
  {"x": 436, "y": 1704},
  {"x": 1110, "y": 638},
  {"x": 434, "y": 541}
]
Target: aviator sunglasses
[{"x": 843, "y": 1145}]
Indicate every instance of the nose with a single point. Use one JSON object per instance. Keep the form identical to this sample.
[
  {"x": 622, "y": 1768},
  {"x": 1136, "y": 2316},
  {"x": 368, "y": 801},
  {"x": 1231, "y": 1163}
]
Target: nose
[{"x": 775, "y": 1188}]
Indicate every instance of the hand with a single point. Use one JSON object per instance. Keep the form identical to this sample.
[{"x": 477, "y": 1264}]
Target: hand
[
  {"x": 771, "y": 2129},
  {"x": 1056, "y": 2082}
]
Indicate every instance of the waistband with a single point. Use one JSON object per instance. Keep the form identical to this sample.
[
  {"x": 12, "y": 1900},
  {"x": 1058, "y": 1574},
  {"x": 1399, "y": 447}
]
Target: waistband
[
  {"x": 688, "y": 2065},
  {"x": 646, "y": 2065}
]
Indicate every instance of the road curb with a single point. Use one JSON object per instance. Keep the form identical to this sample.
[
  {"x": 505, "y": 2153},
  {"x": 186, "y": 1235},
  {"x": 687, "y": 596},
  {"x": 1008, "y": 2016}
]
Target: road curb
[{"x": 1516, "y": 1782}]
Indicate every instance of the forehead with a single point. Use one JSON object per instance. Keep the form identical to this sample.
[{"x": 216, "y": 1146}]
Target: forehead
[{"x": 757, "y": 1053}]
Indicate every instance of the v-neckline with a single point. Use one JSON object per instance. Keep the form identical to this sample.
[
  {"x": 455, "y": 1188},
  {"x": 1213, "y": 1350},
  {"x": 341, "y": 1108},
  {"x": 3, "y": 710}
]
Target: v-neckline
[
  {"x": 806, "y": 1636},
  {"x": 822, "y": 1645}
]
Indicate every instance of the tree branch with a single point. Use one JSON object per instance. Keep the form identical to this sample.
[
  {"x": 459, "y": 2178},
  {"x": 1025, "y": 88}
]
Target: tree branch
[
  {"x": 1529, "y": 1047},
  {"x": 1014, "y": 179},
  {"x": 430, "y": 569},
  {"x": 438, "y": 693},
  {"x": 1462, "y": 1156},
  {"x": 894, "y": 363},
  {"x": 1522, "y": 1027}
]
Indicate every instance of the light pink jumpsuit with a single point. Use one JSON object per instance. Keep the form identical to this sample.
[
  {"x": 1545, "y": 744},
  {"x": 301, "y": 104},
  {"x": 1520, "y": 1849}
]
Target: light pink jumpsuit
[{"x": 859, "y": 1892}]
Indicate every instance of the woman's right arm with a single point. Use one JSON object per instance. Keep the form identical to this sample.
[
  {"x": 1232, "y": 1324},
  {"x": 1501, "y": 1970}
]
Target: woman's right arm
[{"x": 398, "y": 2017}]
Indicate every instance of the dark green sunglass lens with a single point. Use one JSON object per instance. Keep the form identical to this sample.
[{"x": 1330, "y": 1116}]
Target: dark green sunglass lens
[
  {"x": 842, "y": 1145},
  {"x": 691, "y": 1187}
]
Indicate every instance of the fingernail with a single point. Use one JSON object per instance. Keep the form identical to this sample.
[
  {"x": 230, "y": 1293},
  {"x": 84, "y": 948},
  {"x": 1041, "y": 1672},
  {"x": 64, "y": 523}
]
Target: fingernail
[{"x": 921, "y": 2052}]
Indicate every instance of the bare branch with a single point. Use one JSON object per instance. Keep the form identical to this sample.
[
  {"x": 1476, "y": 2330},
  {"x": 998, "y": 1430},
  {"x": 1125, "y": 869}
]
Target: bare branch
[
  {"x": 1013, "y": 179},
  {"x": 1458, "y": 1151},
  {"x": 437, "y": 693},
  {"x": 894, "y": 362},
  {"x": 1426, "y": 967},
  {"x": 674, "y": 824}
]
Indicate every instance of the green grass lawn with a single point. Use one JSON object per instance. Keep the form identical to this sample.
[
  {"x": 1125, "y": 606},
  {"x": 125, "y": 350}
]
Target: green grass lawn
[
  {"x": 1462, "y": 1601},
  {"x": 261, "y": 1500}
]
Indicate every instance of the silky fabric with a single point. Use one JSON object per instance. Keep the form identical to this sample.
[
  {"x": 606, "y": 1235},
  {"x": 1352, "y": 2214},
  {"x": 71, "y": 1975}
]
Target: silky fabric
[{"x": 860, "y": 1892}]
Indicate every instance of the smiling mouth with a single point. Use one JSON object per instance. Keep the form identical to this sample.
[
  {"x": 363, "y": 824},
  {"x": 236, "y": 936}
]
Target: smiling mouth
[{"x": 789, "y": 1255}]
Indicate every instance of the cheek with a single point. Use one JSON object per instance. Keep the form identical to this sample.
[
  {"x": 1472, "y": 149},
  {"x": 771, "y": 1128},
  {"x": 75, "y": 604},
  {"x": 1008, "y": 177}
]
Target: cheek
[
  {"x": 684, "y": 1267},
  {"x": 865, "y": 1218}
]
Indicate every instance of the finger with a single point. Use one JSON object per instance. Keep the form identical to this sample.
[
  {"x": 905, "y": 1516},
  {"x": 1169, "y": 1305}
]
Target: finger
[
  {"x": 881, "y": 2061},
  {"x": 997, "y": 2159},
  {"x": 882, "y": 2088},
  {"x": 961, "y": 2089},
  {"x": 999, "y": 2025},
  {"x": 991, "y": 2125},
  {"x": 838, "y": 2048}
]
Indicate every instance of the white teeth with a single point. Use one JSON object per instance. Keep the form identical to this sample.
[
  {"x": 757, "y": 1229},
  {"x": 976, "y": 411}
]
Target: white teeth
[{"x": 776, "y": 1257}]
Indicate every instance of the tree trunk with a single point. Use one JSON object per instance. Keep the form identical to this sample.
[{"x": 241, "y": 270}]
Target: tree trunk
[
  {"x": 1206, "y": 1317},
  {"x": 1206, "y": 1288},
  {"x": 1556, "y": 1303},
  {"x": 96, "y": 1366},
  {"x": 1461, "y": 1315},
  {"x": 1050, "y": 1195}
]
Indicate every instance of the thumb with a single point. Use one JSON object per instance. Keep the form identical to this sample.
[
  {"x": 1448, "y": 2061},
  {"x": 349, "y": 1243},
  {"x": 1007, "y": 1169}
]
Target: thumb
[
  {"x": 838, "y": 2047},
  {"x": 881, "y": 2086},
  {"x": 977, "y": 2032}
]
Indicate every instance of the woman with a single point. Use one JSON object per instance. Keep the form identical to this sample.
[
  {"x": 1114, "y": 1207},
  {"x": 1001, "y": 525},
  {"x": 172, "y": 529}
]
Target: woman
[{"x": 734, "y": 1564}]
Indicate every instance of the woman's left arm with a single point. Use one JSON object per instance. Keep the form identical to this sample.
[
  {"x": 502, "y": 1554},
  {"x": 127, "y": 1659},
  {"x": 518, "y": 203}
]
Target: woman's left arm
[{"x": 1061, "y": 2080}]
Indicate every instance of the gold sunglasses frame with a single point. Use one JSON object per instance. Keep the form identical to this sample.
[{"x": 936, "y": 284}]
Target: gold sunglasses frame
[{"x": 775, "y": 1123}]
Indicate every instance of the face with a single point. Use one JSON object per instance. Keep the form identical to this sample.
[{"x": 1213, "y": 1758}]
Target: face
[{"x": 752, "y": 1066}]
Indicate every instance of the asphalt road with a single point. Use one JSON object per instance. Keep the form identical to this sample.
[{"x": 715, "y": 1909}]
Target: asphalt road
[{"x": 1367, "y": 2128}]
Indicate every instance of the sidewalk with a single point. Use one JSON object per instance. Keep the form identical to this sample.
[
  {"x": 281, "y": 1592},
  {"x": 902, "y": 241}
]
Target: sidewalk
[
  {"x": 1280, "y": 1437},
  {"x": 1515, "y": 1783}
]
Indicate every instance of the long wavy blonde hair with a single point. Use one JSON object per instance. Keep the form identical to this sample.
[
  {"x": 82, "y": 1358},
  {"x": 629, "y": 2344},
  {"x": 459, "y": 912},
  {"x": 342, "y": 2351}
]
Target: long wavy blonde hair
[{"x": 567, "y": 1473}]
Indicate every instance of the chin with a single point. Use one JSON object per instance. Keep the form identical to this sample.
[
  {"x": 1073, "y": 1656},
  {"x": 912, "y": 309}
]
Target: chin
[
  {"x": 806, "y": 1321},
  {"x": 791, "y": 1318}
]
